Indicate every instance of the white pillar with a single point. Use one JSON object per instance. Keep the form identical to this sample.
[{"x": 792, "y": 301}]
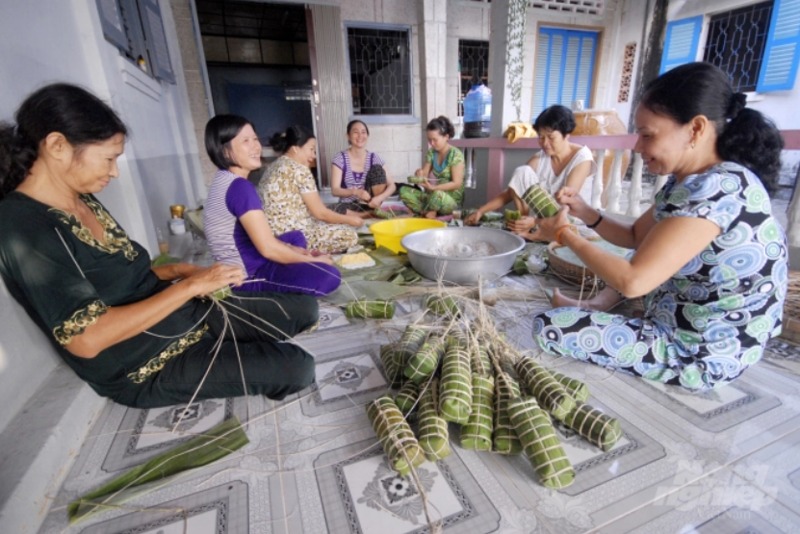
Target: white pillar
[
  {"x": 507, "y": 63},
  {"x": 615, "y": 183},
  {"x": 433, "y": 60},
  {"x": 635, "y": 191}
]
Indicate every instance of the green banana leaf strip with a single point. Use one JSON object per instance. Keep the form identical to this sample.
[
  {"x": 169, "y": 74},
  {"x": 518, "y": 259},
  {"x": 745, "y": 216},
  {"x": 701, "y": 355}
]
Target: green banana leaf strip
[{"x": 201, "y": 450}]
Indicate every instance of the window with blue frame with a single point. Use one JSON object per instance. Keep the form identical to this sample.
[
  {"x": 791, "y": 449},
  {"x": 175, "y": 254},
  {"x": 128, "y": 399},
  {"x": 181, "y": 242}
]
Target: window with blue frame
[
  {"x": 736, "y": 43},
  {"x": 136, "y": 28},
  {"x": 564, "y": 69},
  {"x": 757, "y": 45}
]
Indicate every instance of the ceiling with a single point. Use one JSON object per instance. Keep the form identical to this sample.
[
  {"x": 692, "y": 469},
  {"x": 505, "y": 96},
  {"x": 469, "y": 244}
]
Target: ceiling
[{"x": 277, "y": 22}]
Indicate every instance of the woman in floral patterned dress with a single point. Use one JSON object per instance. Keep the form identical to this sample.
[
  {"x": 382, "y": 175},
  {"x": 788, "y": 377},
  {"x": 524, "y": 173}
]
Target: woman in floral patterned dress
[
  {"x": 709, "y": 256},
  {"x": 292, "y": 201}
]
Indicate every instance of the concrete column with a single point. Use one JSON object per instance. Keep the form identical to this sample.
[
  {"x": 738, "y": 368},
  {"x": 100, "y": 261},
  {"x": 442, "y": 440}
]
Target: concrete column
[
  {"x": 500, "y": 76},
  {"x": 433, "y": 59}
]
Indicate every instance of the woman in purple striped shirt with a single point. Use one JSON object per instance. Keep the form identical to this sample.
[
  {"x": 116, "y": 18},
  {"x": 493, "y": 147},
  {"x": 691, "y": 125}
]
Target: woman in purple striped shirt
[{"x": 237, "y": 229}]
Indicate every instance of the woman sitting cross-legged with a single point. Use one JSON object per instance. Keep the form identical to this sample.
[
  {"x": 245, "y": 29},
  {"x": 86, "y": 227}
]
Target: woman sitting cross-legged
[
  {"x": 292, "y": 201},
  {"x": 560, "y": 163},
  {"x": 445, "y": 191},
  {"x": 359, "y": 176},
  {"x": 144, "y": 336},
  {"x": 237, "y": 229},
  {"x": 709, "y": 256}
]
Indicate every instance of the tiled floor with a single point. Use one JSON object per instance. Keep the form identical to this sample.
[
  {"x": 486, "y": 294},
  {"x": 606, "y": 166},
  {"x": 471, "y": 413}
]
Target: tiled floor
[{"x": 723, "y": 462}]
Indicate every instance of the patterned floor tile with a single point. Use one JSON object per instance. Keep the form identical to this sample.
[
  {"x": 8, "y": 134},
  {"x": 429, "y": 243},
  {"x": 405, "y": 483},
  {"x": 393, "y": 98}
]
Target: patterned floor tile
[
  {"x": 360, "y": 493},
  {"x": 685, "y": 461},
  {"x": 715, "y": 503},
  {"x": 219, "y": 510}
]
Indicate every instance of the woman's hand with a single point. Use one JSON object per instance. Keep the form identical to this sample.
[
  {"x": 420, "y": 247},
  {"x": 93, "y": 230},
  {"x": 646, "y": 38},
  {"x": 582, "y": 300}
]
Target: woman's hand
[
  {"x": 569, "y": 196},
  {"x": 210, "y": 279},
  {"x": 363, "y": 195},
  {"x": 474, "y": 218},
  {"x": 420, "y": 172},
  {"x": 521, "y": 226},
  {"x": 175, "y": 271},
  {"x": 354, "y": 221},
  {"x": 375, "y": 203},
  {"x": 547, "y": 226},
  {"x": 323, "y": 258}
]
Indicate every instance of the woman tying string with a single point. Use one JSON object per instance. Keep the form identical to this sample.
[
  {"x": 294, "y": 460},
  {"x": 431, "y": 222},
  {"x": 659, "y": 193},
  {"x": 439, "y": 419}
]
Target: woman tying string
[
  {"x": 237, "y": 229},
  {"x": 560, "y": 163},
  {"x": 445, "y": 192},
  {"x": 359, "y": 176},
  {"x": 291, "y": 199},
  {"x": 142, "y": 336},
  {"x": 709, "y": 256}
]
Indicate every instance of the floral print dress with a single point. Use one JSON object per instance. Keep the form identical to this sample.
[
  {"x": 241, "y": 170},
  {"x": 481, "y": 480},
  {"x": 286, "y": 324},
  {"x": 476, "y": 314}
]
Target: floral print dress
[
  {"x": 709, "y": 322},
  {"x": 282, "y": 189}
]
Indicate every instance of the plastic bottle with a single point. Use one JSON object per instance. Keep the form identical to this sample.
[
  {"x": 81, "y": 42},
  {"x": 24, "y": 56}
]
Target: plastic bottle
[{"x": 478, "y": 111}]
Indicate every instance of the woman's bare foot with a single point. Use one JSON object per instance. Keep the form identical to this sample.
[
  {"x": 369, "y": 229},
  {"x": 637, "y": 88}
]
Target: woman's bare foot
[
  {"x": 430, "y": 214},
  {"x": 606, "y": 299}
]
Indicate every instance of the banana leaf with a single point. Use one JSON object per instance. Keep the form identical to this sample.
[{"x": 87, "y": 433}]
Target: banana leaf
[
  {"x": 594, "y": 425},
  {"x": 577, "y": 389},
  {"x": 201, "y": 450},
  {"x": 434, "y": 437},
  {"x": 504, "y": 437},
  {"x": 541, "y": 443},
  {"x": 552, "y": 396},
  {"x": 364, "y": 290},
  {"x": 477, "y": 433}
]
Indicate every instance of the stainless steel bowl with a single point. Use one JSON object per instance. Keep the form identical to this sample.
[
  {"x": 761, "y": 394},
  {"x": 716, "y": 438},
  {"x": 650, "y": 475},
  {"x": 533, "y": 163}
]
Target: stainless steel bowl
[{"x": 460, "y": 255}]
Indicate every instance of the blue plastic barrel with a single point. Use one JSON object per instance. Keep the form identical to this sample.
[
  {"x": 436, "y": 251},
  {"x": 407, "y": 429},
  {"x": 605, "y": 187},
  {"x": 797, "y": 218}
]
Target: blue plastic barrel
[{"x": 478, "y": 111}]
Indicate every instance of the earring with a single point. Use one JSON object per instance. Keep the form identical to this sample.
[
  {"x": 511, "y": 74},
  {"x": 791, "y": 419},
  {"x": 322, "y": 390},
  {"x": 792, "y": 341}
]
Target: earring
[{"x": 692, "y": 143}]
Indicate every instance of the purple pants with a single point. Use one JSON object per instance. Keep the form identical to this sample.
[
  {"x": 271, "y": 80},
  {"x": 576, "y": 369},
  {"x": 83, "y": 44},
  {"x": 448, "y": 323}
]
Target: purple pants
[{"x": 312, "y": 278}]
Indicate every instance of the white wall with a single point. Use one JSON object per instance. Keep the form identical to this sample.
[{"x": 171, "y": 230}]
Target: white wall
[
  {"x": 399, "y": 144},
  {"x": 158, "y": 168}
]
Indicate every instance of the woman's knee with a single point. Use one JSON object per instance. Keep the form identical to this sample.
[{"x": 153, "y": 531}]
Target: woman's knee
[{"x": 294, "y": 237}]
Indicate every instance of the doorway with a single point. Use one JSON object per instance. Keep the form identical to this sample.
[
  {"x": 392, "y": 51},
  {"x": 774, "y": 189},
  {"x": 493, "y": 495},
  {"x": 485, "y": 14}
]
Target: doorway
[{"x": 259, "y": 66}]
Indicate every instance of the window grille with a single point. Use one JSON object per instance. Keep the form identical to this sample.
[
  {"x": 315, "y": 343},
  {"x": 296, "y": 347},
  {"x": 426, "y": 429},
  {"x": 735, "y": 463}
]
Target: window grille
[
  {"x": 380, "y": 71},
  {"x": 736, "y": 41},
  {"x": 473, "y": 65}
]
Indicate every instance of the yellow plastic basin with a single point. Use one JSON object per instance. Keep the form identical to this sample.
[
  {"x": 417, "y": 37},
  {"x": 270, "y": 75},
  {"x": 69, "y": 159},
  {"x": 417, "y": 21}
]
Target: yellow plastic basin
[{"x": 389, "y": 233}]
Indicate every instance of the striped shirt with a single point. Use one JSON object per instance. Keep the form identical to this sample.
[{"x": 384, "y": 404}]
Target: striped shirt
[{"x": 229, "y": 197}]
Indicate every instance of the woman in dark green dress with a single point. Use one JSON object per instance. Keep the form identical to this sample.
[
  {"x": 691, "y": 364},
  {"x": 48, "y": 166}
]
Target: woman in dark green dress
[{"x": 143, "y": 336}]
